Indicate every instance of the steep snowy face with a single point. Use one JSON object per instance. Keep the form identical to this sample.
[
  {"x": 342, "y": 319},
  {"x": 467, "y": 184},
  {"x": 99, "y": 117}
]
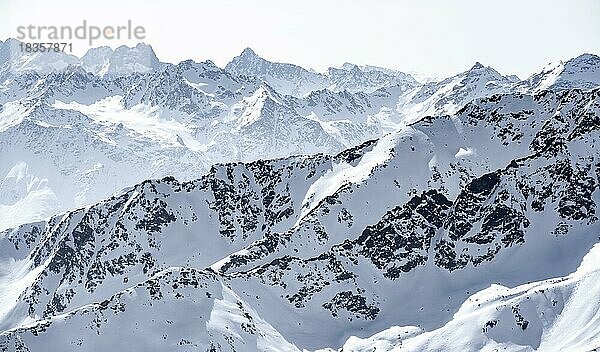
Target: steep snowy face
[
  {"x": 97, "y": 60},
  {"x": 266, "y": 125},
  {"x": 449, "y": 95},
  {"x": 399, "y": 231},
  {"x": 580, "y": 72},
  {"x": 285, "y": 78},
  {"x": 24, "y": 196}
]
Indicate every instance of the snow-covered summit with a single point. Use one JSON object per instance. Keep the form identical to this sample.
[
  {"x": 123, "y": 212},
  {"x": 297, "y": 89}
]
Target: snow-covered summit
[
  {"x": 368, "y": 79},
  {"x": 286, "y": 78},
  {"x": 450, "y": 94},
  {"x": 122, "y": 61},
  {"x": 579, "y": 72}
]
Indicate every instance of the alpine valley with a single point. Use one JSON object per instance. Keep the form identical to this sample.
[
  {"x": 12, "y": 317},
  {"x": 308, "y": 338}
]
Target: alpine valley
[{"x": 150, "y": 206}]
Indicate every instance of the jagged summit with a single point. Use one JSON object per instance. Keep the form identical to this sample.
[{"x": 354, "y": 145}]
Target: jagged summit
[
  {"x": 586, "y": 57},
  {"x": 477, "y": 66},
  {"x": 479, "y": 69},
  {"x": 354, "y": 67},
  {"x": 246, "y": 57},
  {"x": 287, "y": 78},
  {"x": 248, "y": 52},
  {"x": 583, "y": 64}
]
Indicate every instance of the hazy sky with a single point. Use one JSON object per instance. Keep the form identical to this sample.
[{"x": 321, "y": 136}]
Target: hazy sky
[{"x": 432, "y": 36}]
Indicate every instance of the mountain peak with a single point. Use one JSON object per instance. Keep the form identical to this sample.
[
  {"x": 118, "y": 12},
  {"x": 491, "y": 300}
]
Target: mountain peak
[
  {"x": 125, "y": 60},
  {"x": 348, "y": 66},
  {"x": 583, "y": 62},
  {"x": 479, "y": 69},
  {"x": 139, "y": 48},
  {"x": 121, "y": 61},
  {"x": 240, "y": 63},
  {"x": 144, "y": 46},
  {"x": 248, "y": 52},
  {"x": 585, "y": 57},
  {"x": 477, "y": 66}
]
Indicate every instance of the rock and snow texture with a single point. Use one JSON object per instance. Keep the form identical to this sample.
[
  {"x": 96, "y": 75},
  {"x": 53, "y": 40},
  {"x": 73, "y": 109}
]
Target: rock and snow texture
[
  {"x": 350, "y": 210},
  {"x": 424, "y": 239},
  {"x": 557, "y": 314},
  {"x": 92, "y": 126},
  {"x": 354, "y": 78}
]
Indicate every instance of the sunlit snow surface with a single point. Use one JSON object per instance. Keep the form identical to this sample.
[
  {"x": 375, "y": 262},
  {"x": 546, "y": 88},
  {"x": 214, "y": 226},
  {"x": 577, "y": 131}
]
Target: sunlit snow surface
[
  {"x": 567, "y": 319},
  {"x": 143, "y": 119}
]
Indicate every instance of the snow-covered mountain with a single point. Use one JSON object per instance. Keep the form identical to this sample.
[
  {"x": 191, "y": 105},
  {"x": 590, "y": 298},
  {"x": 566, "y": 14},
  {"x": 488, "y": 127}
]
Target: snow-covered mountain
[
  {"x": 100, "y": 61},
  {"x": 286, "y": 78},
  {"x": 90, "y": 134},
  {"x": 14, "y": 61},
  {"x": 354, "y": 78},
  {"x": 294, "y": 80},
  {"x": 452, "y": 93},
  {"x": 424, "y": 239},
  {"x": 582, "y": 71},
  {"x": 151, "y": 119},
  {"x": 267, "y": 207},
  {"x": 120, "y": 62}
]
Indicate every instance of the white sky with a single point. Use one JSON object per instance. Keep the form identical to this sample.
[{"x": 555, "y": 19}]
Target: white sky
[{"x": 430, "y": 36}]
